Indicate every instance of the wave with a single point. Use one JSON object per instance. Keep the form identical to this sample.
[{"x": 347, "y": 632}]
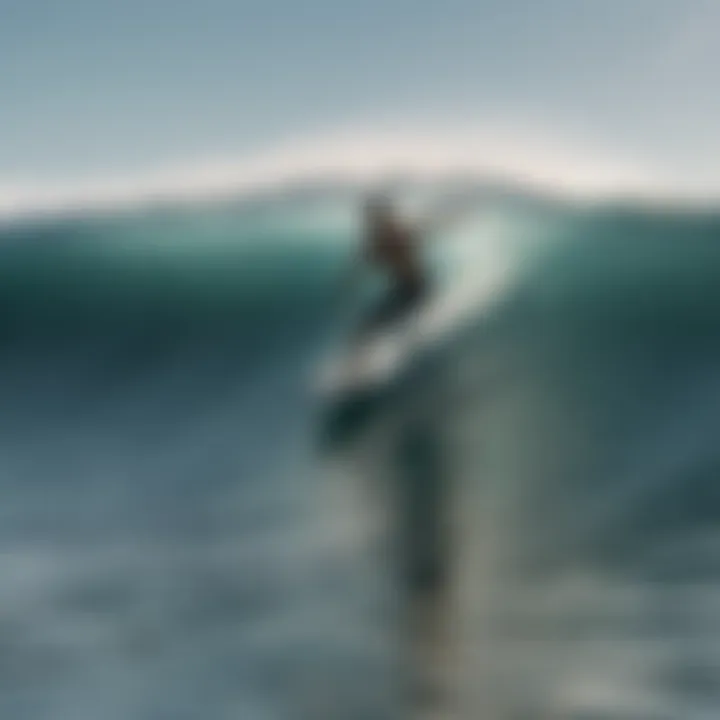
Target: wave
[{"x": 154, "y": 375}]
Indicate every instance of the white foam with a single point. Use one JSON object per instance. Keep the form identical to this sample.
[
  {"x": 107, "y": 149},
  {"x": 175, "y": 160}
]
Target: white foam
[{"x": 350, "y": 155}]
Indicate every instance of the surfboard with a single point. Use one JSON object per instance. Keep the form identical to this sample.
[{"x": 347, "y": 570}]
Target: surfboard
[
  {"x": 356, "y": 383},
  {"x": 384, "y": 355},
  {"x": 376, "y": 360}
]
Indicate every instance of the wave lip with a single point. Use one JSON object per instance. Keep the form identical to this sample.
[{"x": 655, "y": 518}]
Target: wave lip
[{"x": 348, "y": 157}]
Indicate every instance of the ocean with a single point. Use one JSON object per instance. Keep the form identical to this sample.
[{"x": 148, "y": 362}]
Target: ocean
[{"x": 176, "y": 543}]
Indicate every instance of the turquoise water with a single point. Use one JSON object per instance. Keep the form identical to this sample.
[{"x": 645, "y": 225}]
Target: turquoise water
[{"x": 168, "y": 550}]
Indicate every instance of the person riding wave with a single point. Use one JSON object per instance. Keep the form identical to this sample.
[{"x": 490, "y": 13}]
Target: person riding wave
[{"x": 393, "y": 246}]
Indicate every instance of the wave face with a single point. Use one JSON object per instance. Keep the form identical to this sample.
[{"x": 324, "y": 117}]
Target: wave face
[
  {"x": 167, "y": 550},
  {"x": 587, "y": 475}
]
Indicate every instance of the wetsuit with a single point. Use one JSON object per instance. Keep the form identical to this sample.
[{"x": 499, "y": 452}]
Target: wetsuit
[{"x": 392, "y": 249}]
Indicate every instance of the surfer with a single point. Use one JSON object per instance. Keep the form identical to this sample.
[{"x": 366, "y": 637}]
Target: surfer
[{"x": 392, "y": 246}]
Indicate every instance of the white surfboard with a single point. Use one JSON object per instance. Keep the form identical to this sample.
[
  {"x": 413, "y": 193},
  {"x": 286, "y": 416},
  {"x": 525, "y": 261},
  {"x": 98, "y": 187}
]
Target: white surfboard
[{"x": 382, "y": 357}]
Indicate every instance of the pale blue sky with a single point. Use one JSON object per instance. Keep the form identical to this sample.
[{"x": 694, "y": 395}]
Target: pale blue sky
[{"x": 89, "y": 88}]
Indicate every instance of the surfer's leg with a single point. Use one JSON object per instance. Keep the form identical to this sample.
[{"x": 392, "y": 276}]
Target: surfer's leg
[
  {"x": 395, "y": 307},
  {"x": 384, "y": 313},
  {"x": 401, "y": 302}
]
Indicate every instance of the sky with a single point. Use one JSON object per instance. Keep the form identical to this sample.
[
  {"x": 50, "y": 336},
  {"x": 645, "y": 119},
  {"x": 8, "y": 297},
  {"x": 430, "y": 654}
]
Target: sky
[{"x": 92, "y": 91}]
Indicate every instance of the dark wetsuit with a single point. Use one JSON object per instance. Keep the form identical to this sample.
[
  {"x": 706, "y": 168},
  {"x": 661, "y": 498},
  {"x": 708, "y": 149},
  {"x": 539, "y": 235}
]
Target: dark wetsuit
[
  {"x": 392, "y": 249},
  {"x": 395, "y": 305}
]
